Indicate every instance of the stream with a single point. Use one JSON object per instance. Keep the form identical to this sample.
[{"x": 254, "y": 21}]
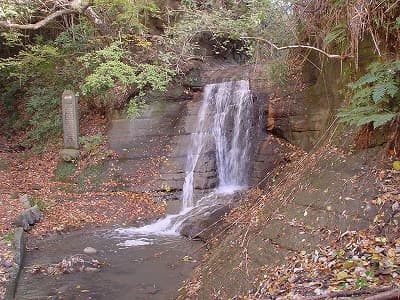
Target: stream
[{"x": 151, "y": 262}]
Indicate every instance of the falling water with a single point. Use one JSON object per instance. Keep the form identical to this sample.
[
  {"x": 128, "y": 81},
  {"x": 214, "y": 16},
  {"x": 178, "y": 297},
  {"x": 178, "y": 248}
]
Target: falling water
[
  {"x": 232, "y": 129},
  {"x": 226, "y": 116}
]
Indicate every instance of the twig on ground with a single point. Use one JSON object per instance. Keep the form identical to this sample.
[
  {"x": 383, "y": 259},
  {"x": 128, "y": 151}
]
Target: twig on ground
[{"x": 352, "y": 293}]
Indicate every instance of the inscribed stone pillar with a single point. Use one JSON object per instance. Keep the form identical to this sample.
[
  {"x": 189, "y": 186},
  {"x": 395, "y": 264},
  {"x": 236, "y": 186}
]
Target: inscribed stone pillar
[{"x": 70, "y": 120}]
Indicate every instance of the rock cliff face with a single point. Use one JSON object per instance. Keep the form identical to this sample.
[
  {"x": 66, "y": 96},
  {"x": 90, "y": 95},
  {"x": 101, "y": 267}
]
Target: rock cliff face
[
  {"x": 161, "y": 138},
  {"x": 302, "y": 113},
  {"x": 152, "y": 148}
]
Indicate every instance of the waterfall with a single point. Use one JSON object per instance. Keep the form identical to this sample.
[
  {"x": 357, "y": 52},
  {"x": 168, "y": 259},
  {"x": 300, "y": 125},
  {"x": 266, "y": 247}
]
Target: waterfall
[
  {"x": 232, "y": 128},
  {"x": 226, "y": 117},
  {"x": 230, "y": 105}
]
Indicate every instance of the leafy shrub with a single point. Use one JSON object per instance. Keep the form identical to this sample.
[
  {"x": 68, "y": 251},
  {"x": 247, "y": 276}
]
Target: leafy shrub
[
  {"x": 8, "y": 102},
  {"x": 135, "y": 107},
  {"x": 110, "y": 65},
  {"x": 44, "y": 109},
  {"x": 375, "y": 96},
  {"x": 278, "y": 71},
  {"x": 128, "y": 14}
]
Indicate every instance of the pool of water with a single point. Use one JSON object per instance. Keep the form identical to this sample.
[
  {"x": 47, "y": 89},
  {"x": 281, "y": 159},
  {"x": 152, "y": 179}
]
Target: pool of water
[{"x": 145, "y": 270}]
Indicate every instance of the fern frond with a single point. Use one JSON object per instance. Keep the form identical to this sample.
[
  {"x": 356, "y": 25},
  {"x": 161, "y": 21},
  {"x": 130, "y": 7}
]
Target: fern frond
[
  {"x": 363, "y": 95},
  {"x": 391, "y": 88},
  {"x": 368, "y": 78},
  {"x": 375, "y": 96},
  {"x": 382, "y": 119},
  {"x": 379, "y": 92}
]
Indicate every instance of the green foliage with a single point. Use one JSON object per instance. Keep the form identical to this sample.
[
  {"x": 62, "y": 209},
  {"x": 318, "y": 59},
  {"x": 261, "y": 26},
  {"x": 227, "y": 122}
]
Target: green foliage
[
  {"x": 108, "y": 69},
  {"x": 278, "y": 71},
  {"x": 43, "y": 107},
  {"x": 77, "y": 38},
  {"x": 109, "y": 66},
  {"x": 36, "y": 61},
  {"x": 8, "y": 237},
  {"x": 12, "y": 38},
  {"x": 135, "y": 107},
  {"x": 41, "y": 71},
  {"x": 225, "y": 24},
  {"x": 131, "y": 15},
  {"x": 360, "y": 283},
  {"x": 65, "y": 171},
  {"x": 16, "y": 9},
  {"x": 42, "y": 204},
  {"x": 8, "y": 100},
  {"x": 338, "y": 36},
  {"x": 375, "y": 96}
]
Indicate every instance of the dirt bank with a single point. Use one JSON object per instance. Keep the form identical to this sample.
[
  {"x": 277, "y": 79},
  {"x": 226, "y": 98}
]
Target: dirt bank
[{"x": 328, "y": 224}]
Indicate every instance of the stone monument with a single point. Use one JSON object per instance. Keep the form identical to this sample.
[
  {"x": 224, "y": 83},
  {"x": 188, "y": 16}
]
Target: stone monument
[{"x": 70, "y": 126}]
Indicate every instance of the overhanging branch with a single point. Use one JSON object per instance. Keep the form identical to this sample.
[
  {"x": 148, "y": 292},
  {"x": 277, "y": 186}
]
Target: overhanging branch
[
  {"x": 71, "y": 8},
  {"x": 296, "y": 46},
  {"x": 39, "y": 24}
]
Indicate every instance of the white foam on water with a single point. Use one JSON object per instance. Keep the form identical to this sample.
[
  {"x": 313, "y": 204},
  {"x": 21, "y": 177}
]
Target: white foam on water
[
  {"x": 136, "y": 242},
  {"x": 229, "y": 189}
]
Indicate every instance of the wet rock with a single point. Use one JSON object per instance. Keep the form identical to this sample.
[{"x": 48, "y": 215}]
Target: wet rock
[
  {"x": 89, "y": 250},
  {"x": 205, "y": 225},
  {"x": 271, "y": 152},
  {"x": 204, "y": 181}
]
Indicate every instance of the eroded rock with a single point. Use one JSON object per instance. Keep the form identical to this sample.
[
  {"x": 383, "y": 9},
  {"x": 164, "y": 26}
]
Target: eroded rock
[
  {"x": 28, "y": 217},
  {"x": 204, "y": 226}
]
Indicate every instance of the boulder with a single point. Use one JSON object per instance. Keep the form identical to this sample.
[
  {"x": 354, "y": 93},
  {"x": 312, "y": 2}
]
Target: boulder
[
  {"x": 35, "y": 213},
  {"x": 28, "y": 217},
  {"x": 25, "y": 200},
  {"x": 204, "y": 226},
  {"x": 20, "y": 221}
]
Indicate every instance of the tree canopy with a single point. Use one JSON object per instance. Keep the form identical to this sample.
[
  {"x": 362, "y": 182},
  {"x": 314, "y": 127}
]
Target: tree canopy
[{"x": 115, "y": 52}]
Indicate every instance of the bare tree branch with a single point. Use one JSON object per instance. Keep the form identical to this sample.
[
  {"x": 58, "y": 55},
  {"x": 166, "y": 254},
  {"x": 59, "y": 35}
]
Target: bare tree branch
[
  {"x": 296, "y": 46},
  {"x": 39, "y": 24},
  {"x": 67, "y": 8},
  {"x": 102, "y": 26}
]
